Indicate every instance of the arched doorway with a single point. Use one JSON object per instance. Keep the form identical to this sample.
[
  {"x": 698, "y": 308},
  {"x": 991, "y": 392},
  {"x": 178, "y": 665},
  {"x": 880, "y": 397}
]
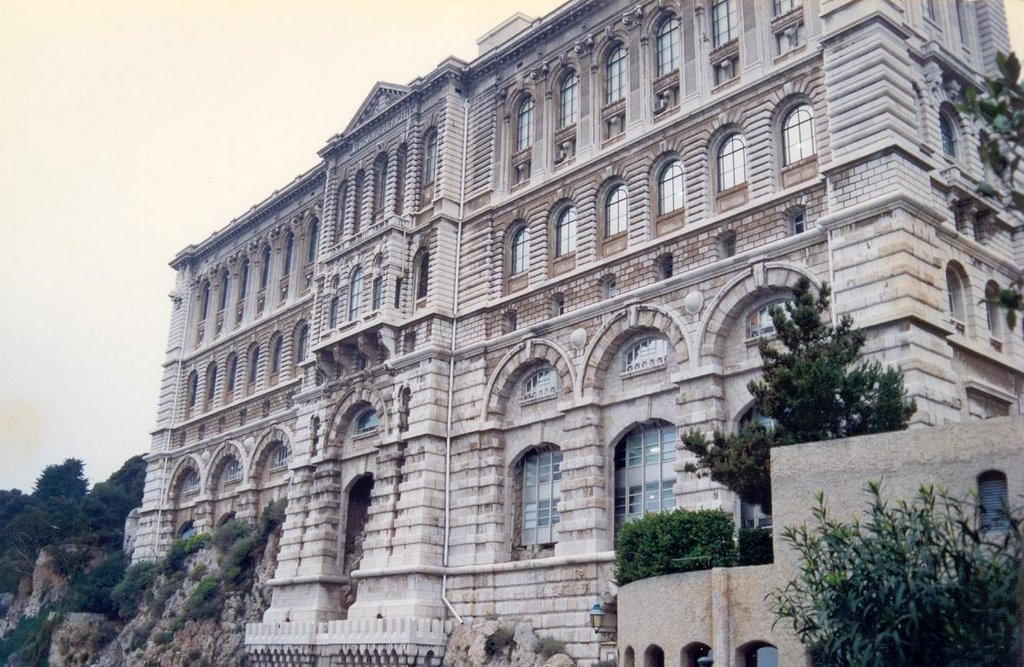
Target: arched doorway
[{"x": 356, "y": 515}]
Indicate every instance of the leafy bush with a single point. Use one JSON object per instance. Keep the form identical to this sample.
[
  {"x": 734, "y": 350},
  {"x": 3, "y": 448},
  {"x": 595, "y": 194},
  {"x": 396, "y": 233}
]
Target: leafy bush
[
  {"x": 92, "y": 590},
  {"x": 549, "y": 646},
  {"x": 182, "y": 549},
  {"x": 678, "y": 541},
  {"x": 137, "y": 580},
  {"x": 29, "y": 642},
  {"x": 604, "y": 663},
  {"x": 224, "y": 538},
  {"x": 204, "y": 601},
  {"x": 755, "y": 546},
  {"x": 271, "y": 517},
  {"x": 498, "y": 641}
]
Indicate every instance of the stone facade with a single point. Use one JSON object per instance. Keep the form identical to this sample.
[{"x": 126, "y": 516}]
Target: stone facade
[{"x": 463, "y": 343}]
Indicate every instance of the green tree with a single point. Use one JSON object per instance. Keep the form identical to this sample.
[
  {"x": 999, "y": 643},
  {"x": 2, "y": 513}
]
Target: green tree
[
  {"x": 912, "y": 584},
  {"x": 815, "y": 387},
  {"x": 66, "y": 480},
  {"x": 999, "y": 109}
]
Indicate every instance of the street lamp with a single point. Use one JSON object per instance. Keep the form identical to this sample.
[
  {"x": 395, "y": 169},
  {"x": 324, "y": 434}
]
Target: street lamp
[{"x": 596, "y": 617}]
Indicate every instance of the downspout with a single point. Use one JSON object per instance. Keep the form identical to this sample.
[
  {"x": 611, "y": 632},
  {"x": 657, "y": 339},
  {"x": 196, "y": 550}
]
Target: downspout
[
  {"x": 451, "y": 367},
  {"x": 831, "y": 252}
]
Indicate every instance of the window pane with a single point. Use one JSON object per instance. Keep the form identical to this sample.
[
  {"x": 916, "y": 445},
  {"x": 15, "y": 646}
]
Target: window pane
[
  {"x": 670, "y": 188},
  {"x": 731, "y": 163},
  {"x": 565, "y": 233},
  {"x": 615, "y": 212},
  {"x": 615, "y": 75},
  {"x": 798, "y": 134},
  {"x": 524, "y": 125},
  {"x": 668, "y": 46},
  {"x": 567, "y": 100}
]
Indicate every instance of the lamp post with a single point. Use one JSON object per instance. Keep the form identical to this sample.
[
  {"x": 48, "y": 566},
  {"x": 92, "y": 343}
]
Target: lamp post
[
  {"x": 596, "y": 617},
  {"x": 706, "y": 661}
]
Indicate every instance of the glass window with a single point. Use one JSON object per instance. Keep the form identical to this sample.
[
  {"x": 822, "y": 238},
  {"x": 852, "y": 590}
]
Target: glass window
[
  {"x": 430, "y": 157},
  {"x": 193, "y": 389},
  {"x": 670, "y": 188},
  {"x": 993, "y": 501},
  {"x": 275, "y": 355},
  {"x": 764, "y": 655},
  {"x": 520, "y": 251},
  {"x": 357, "y": 201},
  {"x": 191, "y": 483},
  {"x": 542, "y": 384},
  {"x": 948, "y": 135},
  {"x": 993, "y": 313},
  {"x": 784, "y": 6},
  {"x": 279, "y": 459},
  {"x": 204, "y": 300},
  {"x": 232, "y": 378},
  {"x": 380, "y": 182},
  {"x": 799, "y": 221},
  {"x": 955, "y": 292},
  {"x": 759, "y": 321},
  {"x": 423, "y": 276},
  {"x": 731, "y": 163},
  {"x": 254, "y": 363},
  {"x": 265, "y": 268},
  {"x": 211, "y": 382},
  {"x": 643, "y": 472},
  {"x": 541, "y": 474},
  {"x": 798, "y": 134},
  {"x": 232, "y": 470},
  {"x": 929, "y": 9},
  {"x": 225, "y": 285},
  {"x": 243, "y": 281},
  {"x": 723, "y": 22},
  {"x": 400, "y": 165},
  {"x": 314, "y": 240},
  {"x": 377, "y": 296},
  {"x": 355, "y": 294},
  {"x": 647, "y": 353},
  {"x": 342, "y": 210},
  {"x": 367, "y": 421},
  {"x": 567, "y": 103},
  {"x": 616, "y": 211},
  {"x": 332, "y": 320},
  {"x": 524, "y": 124},
  {"x": 565, "y": 232},
  {"x": 668, "y": 46},
  {"x": 289, "y": 249},
  {"x": 302, "y": 344},
  {"x": 615, "y": 75}
]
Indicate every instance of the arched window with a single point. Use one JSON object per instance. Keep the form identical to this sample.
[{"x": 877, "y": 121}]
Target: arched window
[
  {"x": 668, "y": 46},
  {"x": 615, "y": 75},
  {"x": 314, "y": 240},
  {"x": 193, "y": 389},
  {"x": 265, "y": 268},
  {"x": 645, "y": 354},
  {"x": 670, "y": 188},
  {"x": 643, "y": 471},
  {"x": 541, "y": 384},
  {"x": 289, "y": 250},
  {"x": 254, "y": 365},
  {"x": 567, "y": 100},
  {"x": 797, "y": 134},
  {"x": 955, "y": 288},
  {"x": 367, "y": 421},
  {"x": 225, "y": 285},
  {"x": 302, "y": 343},
  {"x": 401, "y": 159},
  {"x": 342, "y": 210},
  {"x": 357, "y": 201},
  {"x": 524, "y": 124},
  {"x": 760, "y": 655},
  {"x": 243, "y": 281},
  {"x": 520, "y": 251},
  {"x": 276, "y": 351},
  {"x": 616, "y": 212},
  {"x": 430, "y": 156},
  {"x": 190, "y": 483},
  {"x": 541, "y": 475},
  {"x": 232, "y": 470},
  {"x": 565, "y": 232},
  {"x": 993, "y": 313},
  {"x": 380, "y": 182},
  {"x": 279, "y": 457},
  {"x": 211, "y": 383},
  {"x": 423, "y": 276},
  {"x": 377, "y": 294},
  {"x": 204, "y": 300},
  {"x": 332, "y": 319},
  {"x": 732, "y": 163},
  {"x": 759, "y": 321},
  {"x": 231, "y": 381},
  {"x": 948, "y": 135},
  {"x": 355, "y": 294},
  {"x": 993, "y": 499}
]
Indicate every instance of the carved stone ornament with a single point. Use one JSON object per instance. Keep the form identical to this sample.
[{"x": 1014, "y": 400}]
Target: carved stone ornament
[
  {"x": 539, "y": 73},
  {"x": 631, "y": 18},
  {"x": 584, "y": 46}
]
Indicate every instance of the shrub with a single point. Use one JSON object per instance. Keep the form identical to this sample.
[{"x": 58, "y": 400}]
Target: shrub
[
  {"x": 550, "y": 646},
  {"x": 204, "y": 601},
  {"x": 29, "y": 642},
  {"x": 604, "y": 663},
  {"x": 678, "y": 541},
  {"x": 755, "y": 546},
  {"x": 272, "y": 517},
  {"x": 498, "y": 641},
  {"x": 182, "y": 549},
  {"x": 93, "y": 590},
  {"x": 137, "y": 580},
  {"x": 224, "y": 538}
]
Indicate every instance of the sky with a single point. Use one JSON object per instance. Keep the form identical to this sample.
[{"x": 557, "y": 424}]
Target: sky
[{"x": 129, "y": 130}]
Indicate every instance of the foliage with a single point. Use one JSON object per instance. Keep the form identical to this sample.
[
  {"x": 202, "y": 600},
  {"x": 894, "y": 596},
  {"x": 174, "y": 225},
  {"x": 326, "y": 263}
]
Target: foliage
[
  {"x": 549, "y": 646},
  {"x": 182, "y": 549},
  {"x": 755, "y": 546},
  {"x": 66, "y": 480},
  {"x": 677, "y": 541},
  {"x": 128, "y": 593},
  {"x": 912, "y": 584},
  {"x": 204, "y": 601},
  {"x": 815, "y": 387},
  {"x": 271, "y": 517},
  {"x": 29, "y": 642},
  {"x": 605, "y": 663},
  {"x": 498, "y": 641},
  {"x": 92, "y": 589}
]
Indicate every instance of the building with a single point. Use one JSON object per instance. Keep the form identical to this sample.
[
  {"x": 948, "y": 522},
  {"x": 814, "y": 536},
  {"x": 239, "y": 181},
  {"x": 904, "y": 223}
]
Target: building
[{"x": 463, "y": 343}]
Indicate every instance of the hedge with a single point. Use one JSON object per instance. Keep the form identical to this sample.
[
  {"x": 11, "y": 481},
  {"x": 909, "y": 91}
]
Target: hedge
[{"x": 678, "y": 541}]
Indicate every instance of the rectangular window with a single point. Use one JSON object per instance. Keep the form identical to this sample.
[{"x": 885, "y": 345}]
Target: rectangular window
[
  {"x": 378, "y": 293},
  {"x": 723, "y": 20},
  {"x": 785, "y": 6}
]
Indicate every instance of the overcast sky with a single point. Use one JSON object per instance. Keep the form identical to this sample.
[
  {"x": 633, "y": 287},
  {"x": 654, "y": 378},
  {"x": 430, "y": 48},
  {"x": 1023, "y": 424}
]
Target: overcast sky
[{"x": 131, "y": 129}]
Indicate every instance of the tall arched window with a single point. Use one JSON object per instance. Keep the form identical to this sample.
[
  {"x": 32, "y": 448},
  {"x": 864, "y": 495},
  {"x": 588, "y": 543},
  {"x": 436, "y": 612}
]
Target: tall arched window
[
  {"x": 993, "y": 313},
  {"x": 302, "y": 343},
  {"x": 380, "y": 182},
  {"x": 254, "y": 366},
  {"x": 616, "y": 212},
  {"x": 520, "y": 251},
  {"x": 193, "y": 389},
  {"x": 355, "y": 294},
  {"x": 423, "y": 276},
  {"x": 643, "y": 471},
  {"x": 732, "y": 162},
  {"x": 225, "y": 286},
  {"x": 668, "y": 46},
  {"x": 567, "y": 100},
  {"x": 565, "y": 232},
  {"x": 430, "y": 157},
  {"x": 276, "y": 351},
  {"x": 524, "y": 124},
  {"x": 615, "y": 75},
  {"x": 204, "y": 300},
  {"x": 541, "y": 477},
  {"x": 314, "y": 240},
  {"x": 231, "y": 380},
  {"x": 211, "y": 383},
  {"x": 948, "y": 135},
  {"x": 342, "y": 211},
  {"x": 332, "y": 318},
  {"x": 243, "y": 281},
  {"x": 357, "y": 201},
  {"x": 289, "y": 251},
  {"x": 797, "y": 134},
  {"x": 670, "y": 188},
  {"x": 265, "y": 268},
  {"x": 993, "y": 501},
  {"x": 955, "y": 288},
  {"x": 401, "y": 159}
]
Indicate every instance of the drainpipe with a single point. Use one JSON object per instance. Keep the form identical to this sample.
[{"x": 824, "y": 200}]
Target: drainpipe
[{"x": 451, "y": 367}]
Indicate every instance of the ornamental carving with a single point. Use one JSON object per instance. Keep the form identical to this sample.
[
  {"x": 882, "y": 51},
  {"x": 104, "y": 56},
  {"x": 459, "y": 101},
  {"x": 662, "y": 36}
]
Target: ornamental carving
[{"x": 632, "y": 17}]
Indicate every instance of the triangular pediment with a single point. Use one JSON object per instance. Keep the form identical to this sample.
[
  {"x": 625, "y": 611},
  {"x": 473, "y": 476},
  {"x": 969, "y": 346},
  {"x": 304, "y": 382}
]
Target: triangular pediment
[{"x": 382, "y": 96}]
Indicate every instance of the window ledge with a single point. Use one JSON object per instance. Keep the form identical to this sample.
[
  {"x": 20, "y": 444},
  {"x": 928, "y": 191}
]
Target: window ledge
[
  {"x": 655, "y": 366},
  {"x": 790, "y": 18}
]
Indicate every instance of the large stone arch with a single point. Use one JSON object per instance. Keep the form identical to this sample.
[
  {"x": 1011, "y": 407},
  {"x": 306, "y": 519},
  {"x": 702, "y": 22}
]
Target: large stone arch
[
  {"x": 350, "y": 403},
  {"x": 177, "y": 474},
  {"x": 217, "y": 461},
  {"x": 614, "y": 333},
  {"x": 264, "y": 445},
  {"x": 740, "y": 293},
  {"x": 516, "y": 363}
]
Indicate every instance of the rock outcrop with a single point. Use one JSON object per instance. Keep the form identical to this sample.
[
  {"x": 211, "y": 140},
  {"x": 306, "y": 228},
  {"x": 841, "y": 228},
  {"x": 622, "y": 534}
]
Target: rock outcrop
[{"x": 503, "y": 644}]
